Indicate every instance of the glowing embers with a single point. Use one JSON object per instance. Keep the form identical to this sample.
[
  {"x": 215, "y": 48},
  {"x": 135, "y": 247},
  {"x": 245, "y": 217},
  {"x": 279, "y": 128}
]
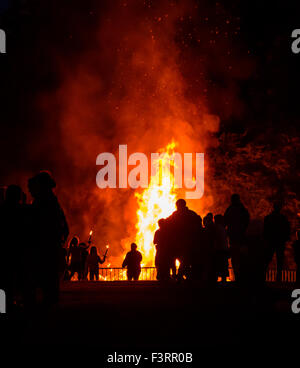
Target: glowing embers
[{"x": 155, "y": 202}]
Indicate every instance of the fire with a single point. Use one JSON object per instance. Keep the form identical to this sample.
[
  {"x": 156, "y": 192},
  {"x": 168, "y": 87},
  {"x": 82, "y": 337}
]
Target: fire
[
  {"x": 155, "y": 202},
  {"x": 91, "y": 232}
]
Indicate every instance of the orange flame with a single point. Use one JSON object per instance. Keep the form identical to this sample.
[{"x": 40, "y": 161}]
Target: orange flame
[{"x": 155, "y": 202}]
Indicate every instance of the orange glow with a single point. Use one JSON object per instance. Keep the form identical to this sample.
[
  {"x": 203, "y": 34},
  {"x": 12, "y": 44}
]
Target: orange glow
[
  {"x": 91, "y": 232},
  {"x": 155, "y": 202}
]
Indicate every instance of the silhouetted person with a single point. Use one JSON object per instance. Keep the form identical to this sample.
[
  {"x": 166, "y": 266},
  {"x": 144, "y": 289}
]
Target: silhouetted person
[
  {"x": 11, "y": 231},
  {"x": 183, "y": 229},
  {"x": 51, "y": 233},
  {"x": 133, "y": 261},
  {"x": 236, "y": 219},
  {"x": 74, "y": 258},
  {"x": 221, "y": 249},
  {"x": 209, "y": 240},
  {"x": 296, "y": 248},
  {"x": 83, "y": 256},
  {"x": 276, "y": 234},
  {"x": 93, "y": 261},
  {"x": 164, "y": 259}
]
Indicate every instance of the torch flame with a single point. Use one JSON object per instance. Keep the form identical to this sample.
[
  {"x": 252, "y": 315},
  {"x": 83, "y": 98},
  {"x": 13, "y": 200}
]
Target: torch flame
[
  {"x": 91, "y": 232},
  {"x": 155, "y": 202}
]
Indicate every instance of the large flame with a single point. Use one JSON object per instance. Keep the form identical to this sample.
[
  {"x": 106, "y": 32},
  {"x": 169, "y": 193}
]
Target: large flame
[{"x": 155, "y": 202}]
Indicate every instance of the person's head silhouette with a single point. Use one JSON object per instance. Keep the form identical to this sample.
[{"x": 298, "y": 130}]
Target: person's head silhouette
[
  {"x": 93, "y": 250},
  {"x": 41, "y": 184},
  {"x": 208, "y": 219},
  {"x": 180, "y": 204},
  {"x": 161, "y": 222},
  {"x": 219, "y": 219},
  {"x": 74, "y": 241},
  {"x": 133, "y": 246}
]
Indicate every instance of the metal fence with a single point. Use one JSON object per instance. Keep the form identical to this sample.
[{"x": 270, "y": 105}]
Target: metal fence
[
  {"x": 119, "y": 274},
  {"x": 286, "y": 276},
  {"x": 149, "y": 274}
]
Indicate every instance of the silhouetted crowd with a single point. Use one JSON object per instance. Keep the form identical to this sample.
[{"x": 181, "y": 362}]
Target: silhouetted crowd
[
  {"x": 32, "y": 236},
  {"x": 33, "y": 255},
  {"x": 203, "y": 247},
  {"x": 77, "y": 259}
]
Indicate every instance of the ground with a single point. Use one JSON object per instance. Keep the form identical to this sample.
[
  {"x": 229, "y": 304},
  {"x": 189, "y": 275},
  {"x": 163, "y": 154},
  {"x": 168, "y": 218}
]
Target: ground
[{"x": 149, "y": 316}]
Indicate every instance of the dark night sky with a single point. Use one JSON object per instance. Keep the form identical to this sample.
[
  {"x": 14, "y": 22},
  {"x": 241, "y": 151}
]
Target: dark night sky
[{"x": 41, "y": 35}]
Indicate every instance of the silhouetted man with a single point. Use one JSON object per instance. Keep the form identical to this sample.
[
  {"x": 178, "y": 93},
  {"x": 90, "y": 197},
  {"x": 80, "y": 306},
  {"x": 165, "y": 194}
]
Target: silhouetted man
[
  {"x": 93, "y": 261},
  {"x": 164, "y": 259},
  {"x": 74, "y": 255},
  {"x": 236, "y": 219},
  {"x": 208, "y": 243},
  {"x": 276, "y": 234},
  {"x": 183, "y": 230},
  {"x": 133, "y": 261},
  {"x": 51, "y": 232}
]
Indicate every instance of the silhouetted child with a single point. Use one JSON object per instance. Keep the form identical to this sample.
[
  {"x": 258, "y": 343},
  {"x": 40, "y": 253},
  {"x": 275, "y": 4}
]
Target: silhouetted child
[
  {"x": 93, "y": 261},
  {"x": 133, "y": 261},
  {"x": 236, "y": 219},
  {"x": 83, "y": 260},
  {"x": 296, "y": 247},
  {"x": 163, "y": 256},
  {"x": 75, "y": 253}
]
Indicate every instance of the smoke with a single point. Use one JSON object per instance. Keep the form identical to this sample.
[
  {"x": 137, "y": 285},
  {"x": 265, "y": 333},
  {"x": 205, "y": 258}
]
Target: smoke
[
  {"x": 143, "y": 73},
  {"x": 127, "y": 87}
]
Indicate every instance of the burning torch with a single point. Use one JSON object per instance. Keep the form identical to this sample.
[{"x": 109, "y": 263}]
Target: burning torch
[
  {"x": 90, "y": 238},
  {"x": 105, "y": 254}
]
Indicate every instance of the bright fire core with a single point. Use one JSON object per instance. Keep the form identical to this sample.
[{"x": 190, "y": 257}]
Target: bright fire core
[{"x": 155, "y": 202}]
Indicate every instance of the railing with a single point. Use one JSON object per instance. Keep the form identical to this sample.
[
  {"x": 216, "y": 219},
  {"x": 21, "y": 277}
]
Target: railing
[
  {"x": 286, "y": 275},
  {"x": 119, "y": 274},
  {"x": 149, "y": 274}
]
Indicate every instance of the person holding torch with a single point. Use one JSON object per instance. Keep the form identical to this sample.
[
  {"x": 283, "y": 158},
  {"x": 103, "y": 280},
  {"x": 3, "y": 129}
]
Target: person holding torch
[{"x": 93, "y": 262}]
